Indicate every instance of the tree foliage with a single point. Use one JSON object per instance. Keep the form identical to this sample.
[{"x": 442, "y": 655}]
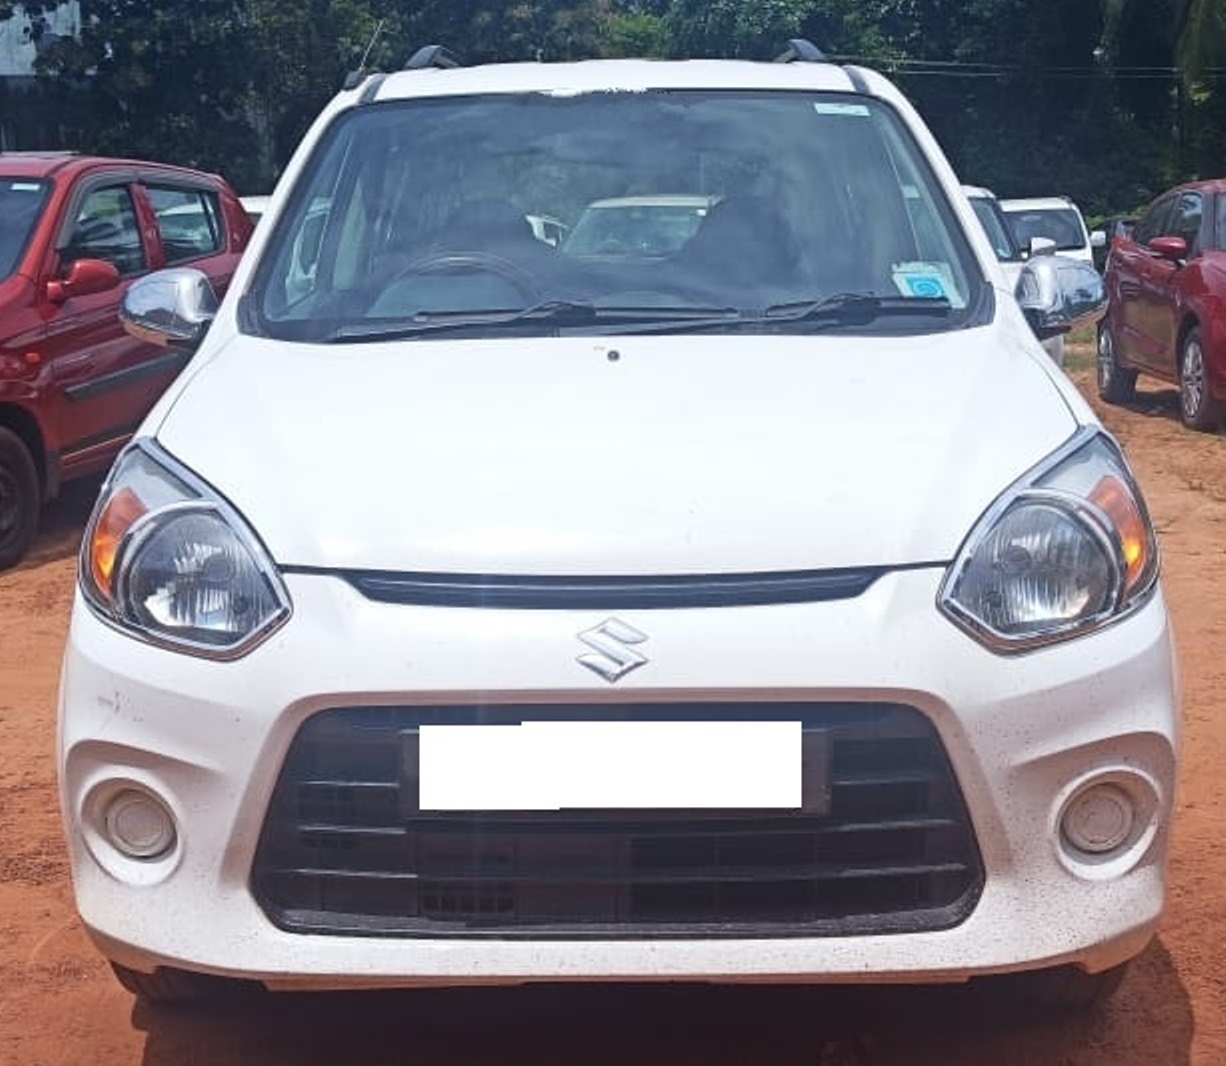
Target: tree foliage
[{"x": 1108, "y": 100}]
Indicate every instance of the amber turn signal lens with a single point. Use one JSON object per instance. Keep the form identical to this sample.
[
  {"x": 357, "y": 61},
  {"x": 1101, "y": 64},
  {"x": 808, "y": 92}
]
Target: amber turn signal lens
[
  {"x": 1113, "y": 497},
  {"x": 117, "y": 517}
]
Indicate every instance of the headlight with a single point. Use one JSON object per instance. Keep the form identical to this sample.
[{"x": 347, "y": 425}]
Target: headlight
[
  {"x": 166, "y": 559},
  {"x": 1067, "y": 549}
]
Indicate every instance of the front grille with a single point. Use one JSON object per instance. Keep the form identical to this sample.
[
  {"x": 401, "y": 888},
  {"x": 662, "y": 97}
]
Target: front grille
[
  {"x": 611, "y": 593},
  {"x": 345, "y": 850}
]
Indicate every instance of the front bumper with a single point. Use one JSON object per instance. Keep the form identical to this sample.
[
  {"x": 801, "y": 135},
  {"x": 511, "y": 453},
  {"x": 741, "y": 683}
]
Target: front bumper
[{"x": 1022, "y": 735}]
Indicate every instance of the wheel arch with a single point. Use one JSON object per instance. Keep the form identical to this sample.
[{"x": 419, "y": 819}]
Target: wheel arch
[
  {"x": 24, "y": 425},
  {"x": 1212, "y": 335},
  {"x": 1187, "y": 322}
]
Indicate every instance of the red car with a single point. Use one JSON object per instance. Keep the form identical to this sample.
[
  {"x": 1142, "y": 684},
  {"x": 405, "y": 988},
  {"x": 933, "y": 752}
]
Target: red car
[
  {"x": 1166, "y": 315},
  {"x": 75, "y": 231}
]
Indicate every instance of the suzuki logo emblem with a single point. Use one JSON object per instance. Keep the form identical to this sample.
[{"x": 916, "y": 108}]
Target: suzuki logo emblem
[{"x": 611, "y": 656}]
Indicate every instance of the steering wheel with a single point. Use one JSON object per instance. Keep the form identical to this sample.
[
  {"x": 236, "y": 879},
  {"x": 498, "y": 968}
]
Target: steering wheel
[{"x": 523, "y": 280}]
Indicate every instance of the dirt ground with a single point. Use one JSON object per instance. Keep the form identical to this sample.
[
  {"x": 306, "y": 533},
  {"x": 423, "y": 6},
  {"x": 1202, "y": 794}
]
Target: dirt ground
[{"x": 60, "y": 1004}]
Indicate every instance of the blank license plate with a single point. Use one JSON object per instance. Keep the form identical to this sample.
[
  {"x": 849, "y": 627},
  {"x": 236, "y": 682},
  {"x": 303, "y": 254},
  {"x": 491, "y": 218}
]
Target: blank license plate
[{"x": 536, "y": 766}]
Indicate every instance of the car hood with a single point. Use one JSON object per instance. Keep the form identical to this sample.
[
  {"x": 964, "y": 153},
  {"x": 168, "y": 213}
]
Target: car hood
[{"x": 639, "y": 455}]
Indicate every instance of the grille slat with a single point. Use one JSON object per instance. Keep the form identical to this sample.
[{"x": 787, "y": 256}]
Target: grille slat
[
  {"x": 612, "y": 877},
  {"x": 644, "y": 829},
  {"x": 345, "y": 850}
]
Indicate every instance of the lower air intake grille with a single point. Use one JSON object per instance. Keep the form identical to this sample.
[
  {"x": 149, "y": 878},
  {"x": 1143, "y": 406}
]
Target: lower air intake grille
[{"x": 345, "y": 850}]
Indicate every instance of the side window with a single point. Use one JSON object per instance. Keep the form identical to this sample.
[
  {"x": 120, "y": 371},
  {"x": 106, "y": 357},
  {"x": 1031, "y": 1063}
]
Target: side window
[
  {"x": 106, "y": 228},
  {"x": 1185, "y": 221},
  {"x": 1150, "y": 225},
  {"x": 189, "y": 221}
]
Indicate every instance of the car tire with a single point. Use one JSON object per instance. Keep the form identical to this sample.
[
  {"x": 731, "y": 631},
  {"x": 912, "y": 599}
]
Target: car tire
[
  {"x": 1116, "y": 384},
  {"x": 1197, "y": 407},
  {"x": 1063, "y": 988},
  {"x": 178, "y": 987},
  {"x": 19, "y": 499}
]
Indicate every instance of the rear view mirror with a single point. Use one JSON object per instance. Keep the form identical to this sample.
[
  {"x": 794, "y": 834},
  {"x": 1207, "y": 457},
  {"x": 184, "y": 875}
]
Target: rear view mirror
[
  {"x": 172, "y": 308},
  {"x": 1041, "y": 246},
  {"x": 1169, "y": 247},
  {"x": 1098, "y": 239},
  {"x": 1057, "y": 293},
  {"x": 85, "y": 277}
]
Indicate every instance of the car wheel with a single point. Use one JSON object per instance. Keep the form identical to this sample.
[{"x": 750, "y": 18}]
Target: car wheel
[
  {"x": 1197, "y": 407},
  {"x": 1063, "y": 988},
  {"x": 1116, "y": 384},
  {"x": 171, "y": 986},
  {"x": 19, "y": 499}
]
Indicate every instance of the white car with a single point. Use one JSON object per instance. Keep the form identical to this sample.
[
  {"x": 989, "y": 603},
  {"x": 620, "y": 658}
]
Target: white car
[
  {"x": 1053, "y": 218},
  {"x": 657, "y": 225},
  {"x": 1010, "y": 253},
  {"x": 474, "y": 613}
]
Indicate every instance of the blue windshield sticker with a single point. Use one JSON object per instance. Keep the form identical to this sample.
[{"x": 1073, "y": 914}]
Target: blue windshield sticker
[
  {"x": 828, "y": 108},
  {"x": 924, "y": 281}
]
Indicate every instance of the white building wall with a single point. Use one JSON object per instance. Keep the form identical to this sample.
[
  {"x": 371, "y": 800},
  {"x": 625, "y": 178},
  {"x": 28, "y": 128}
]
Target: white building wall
[{"x": 17, "y": 36}]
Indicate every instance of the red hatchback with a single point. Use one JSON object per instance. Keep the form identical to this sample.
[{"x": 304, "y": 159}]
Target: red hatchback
[
  {"x": 75, "y": 231},
  {"x": 1166, "y": 315}
]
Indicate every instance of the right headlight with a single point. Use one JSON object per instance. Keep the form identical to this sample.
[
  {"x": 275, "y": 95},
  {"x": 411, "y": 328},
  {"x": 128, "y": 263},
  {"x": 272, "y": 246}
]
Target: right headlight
[
  {"x": 1067, "y": 549},
  {"x": 168, "y": 560}
]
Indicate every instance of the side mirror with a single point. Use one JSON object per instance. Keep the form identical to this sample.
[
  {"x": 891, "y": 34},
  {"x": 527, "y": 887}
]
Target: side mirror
[
  {"x": 1057, "y": 293},
  {"x": 85, "y": 277},
  {"x": 1041, "y": 246},
  {"x": 1098, "y": 239},
  {"x": 1169, "y": 247},
  {"x": 171, "y": 308}
]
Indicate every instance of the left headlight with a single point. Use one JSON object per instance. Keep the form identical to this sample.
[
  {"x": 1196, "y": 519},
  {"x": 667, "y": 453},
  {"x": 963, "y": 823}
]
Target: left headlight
[
  {"x": 165, "y": 558},
  {"x": 1067, "y": 549}
]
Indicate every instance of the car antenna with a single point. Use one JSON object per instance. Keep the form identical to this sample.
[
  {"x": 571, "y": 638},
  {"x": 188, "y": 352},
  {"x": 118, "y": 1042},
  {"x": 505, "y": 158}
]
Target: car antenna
[{"x": 354, "y": 78}]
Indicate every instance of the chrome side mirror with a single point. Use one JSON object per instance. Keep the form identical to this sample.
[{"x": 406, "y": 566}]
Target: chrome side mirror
[
  {"x": 1041, "y": 246},
  {"x": 1057, "y": 293},
  {"x": 171, "y": 308}
]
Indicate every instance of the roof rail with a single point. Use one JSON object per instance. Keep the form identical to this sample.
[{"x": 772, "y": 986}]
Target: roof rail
[
  {"x": 800, "y": 50},
  {"x": 432, "y": 55}
]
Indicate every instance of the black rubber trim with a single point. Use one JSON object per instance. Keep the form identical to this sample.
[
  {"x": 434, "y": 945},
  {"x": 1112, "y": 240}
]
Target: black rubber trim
[
  {"x": 172, "y": 363},
  {"x": 857, "y": 81},
  {"x": 524, "y": 592},
  {"x": 372, "y": 88}
]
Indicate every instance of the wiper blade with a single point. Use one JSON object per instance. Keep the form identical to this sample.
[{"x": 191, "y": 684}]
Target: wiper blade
[
  {"x": 566, "y": 312},
  {"x": 573, "y": 313},
  {"x": 856, "y": 307}
]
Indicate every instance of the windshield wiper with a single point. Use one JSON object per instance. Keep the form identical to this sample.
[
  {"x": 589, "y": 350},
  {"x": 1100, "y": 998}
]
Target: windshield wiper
[
  {"x": 856, "y": 307},
  {"x": 563, "y": 313}
]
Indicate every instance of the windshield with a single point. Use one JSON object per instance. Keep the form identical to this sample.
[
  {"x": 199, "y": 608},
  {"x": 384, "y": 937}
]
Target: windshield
[
  {"x": 713, "y": 208},
  {"x": 992, "y": 218},
  {"x": 21, "y": 206},
  {"x": 1062, "y": 225}
]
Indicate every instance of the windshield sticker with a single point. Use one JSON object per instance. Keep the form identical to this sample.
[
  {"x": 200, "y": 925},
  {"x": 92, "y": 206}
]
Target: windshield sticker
[
  {"x": 925, "y": 281},
  {"x": 840, "y": 109}
]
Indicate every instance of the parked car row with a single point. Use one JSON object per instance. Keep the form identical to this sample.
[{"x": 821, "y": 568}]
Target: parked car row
[
  {"x": 1166, "y": 312},
  {"x": 1165, "y": 275}
]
